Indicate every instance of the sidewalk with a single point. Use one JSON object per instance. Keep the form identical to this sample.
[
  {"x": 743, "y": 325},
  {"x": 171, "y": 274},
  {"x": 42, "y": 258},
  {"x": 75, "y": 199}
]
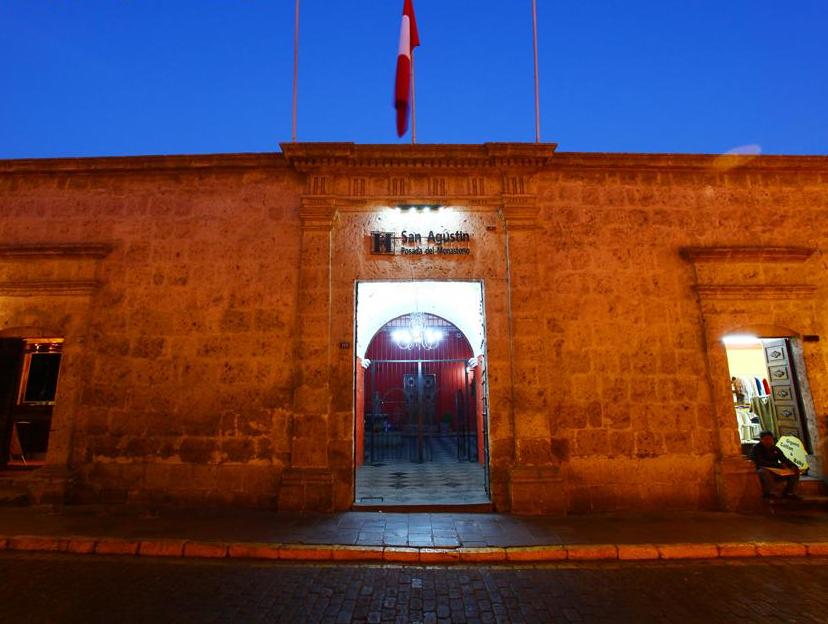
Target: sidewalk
[{"x": 409, "y": 537}]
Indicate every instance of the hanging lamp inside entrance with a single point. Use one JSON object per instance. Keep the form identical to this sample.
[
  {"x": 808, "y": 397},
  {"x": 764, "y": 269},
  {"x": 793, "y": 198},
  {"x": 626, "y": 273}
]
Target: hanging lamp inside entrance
[{"x": 417, "y": 334}]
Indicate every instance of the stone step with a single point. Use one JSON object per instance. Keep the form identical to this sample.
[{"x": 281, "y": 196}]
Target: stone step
[
  {"x": 13, "y": 497},
  {"x": 804, "y": 504},
  {"x": 9, "y": 483},
  {"x": 813, "y": 487},
  {"x": 487, "y": 507},
  {"x": 13, "y": 491}
]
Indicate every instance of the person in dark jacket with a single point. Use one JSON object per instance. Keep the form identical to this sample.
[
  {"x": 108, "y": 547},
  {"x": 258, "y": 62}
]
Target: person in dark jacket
[{"x": 766, "y": 455}]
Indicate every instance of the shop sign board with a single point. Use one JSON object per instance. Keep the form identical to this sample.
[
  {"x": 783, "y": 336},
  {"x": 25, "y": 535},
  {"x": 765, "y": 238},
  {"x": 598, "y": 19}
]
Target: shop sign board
[{"x": 431, "y": 243}]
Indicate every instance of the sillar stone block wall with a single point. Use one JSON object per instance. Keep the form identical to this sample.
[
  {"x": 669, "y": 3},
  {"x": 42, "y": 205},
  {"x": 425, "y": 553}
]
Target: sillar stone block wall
[
  {"x": 184, "y": 366},
  {"x": 205, "y": 302}
]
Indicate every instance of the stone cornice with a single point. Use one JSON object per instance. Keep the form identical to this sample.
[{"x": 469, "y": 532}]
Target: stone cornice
[
  {"x": 138, "y": 164},
  {"x": 56, "y": 250},
  {"x": 746, "y": 254},
  {"x": 763, "y": 291},
  {"x": 48, "y": 287},
  {"x": 712, "y": 164},
  {"x": 350, "y": 157},
  {"x": 382, "y": 157}
]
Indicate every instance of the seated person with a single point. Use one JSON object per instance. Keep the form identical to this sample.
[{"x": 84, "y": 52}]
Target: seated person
[{"x": 773, "y": 467}]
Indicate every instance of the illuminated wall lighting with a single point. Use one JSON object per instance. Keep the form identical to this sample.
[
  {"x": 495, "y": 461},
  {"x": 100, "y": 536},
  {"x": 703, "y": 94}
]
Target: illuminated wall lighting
[{"x": 740, "y": 340}]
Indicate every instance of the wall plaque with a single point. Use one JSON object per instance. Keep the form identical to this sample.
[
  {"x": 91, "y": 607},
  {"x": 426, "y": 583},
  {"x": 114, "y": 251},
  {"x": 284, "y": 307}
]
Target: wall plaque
[{"x": 430, "y": 243}]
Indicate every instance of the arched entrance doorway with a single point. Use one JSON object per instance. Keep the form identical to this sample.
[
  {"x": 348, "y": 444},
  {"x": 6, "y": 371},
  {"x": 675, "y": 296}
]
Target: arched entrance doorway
[{"x": 420, "y": 413}]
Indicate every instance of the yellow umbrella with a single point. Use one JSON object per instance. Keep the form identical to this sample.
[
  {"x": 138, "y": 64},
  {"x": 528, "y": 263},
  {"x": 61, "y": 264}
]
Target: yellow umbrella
[{"x": 793, "y": 449}]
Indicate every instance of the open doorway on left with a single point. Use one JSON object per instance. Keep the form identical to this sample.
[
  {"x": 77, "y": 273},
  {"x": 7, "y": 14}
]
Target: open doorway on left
[{"x": 29, "y": 370}]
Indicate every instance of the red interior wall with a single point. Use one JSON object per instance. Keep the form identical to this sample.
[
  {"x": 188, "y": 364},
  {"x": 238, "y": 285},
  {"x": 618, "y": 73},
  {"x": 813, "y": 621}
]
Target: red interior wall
[
  {"x": 450, "y": 375},
  {"x": 359, "y": 437},
  {"x": 450, "y": 379},
  {"x": 388, "y": 376}
]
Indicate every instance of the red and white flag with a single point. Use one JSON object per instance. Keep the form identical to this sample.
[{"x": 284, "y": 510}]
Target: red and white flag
[{"x": 409, "y": 39}]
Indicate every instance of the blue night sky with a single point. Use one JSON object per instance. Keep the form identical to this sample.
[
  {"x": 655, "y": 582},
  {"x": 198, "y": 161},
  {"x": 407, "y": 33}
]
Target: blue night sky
[{"x": 118, "y": 77}]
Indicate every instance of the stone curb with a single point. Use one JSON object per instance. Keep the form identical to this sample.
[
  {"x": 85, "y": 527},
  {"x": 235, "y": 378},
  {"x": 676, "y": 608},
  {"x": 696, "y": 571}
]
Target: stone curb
[{"x": 422, "y": 555}]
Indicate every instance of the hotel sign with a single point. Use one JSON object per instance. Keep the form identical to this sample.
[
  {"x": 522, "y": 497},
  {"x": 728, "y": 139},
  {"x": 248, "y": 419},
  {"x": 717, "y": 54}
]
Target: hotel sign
[{"x": 421, "y": 244}]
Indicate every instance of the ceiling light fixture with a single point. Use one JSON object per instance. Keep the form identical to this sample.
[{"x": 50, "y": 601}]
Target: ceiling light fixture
[{"x": 417, "y": 335}]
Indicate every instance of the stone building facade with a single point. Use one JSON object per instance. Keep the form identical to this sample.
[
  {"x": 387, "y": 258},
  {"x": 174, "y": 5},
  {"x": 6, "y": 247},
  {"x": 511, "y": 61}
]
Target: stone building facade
[{"x": 206, "y": 306}]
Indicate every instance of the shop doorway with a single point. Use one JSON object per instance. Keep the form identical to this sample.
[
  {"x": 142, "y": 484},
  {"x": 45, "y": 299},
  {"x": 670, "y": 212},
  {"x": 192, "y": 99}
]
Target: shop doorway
[
  {"x": 770, "y": 390},
  {"x": 421, "y": 409},
  {"x": 29, "y": 369}
]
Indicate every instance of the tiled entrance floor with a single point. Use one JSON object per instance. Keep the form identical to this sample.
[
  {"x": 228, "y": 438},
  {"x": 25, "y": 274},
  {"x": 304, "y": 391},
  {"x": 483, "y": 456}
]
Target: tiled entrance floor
[
  {"x": 421, "y": 484},
  {"x": 441, "y": 481}
]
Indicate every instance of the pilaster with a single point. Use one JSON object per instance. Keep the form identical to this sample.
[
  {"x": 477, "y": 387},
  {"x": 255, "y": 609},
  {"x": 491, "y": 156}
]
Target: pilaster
[
  {"x": 535, "y": 480},
  {"x": 308, "y": 483},
  {"x": 537, "y": 490}
]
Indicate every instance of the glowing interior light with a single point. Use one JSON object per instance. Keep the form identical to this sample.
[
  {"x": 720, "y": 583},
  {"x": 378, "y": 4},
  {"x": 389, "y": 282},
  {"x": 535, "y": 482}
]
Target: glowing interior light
[
  {"x": 740, "y": 339},
  {"x": 433, "y": 336},
  {"x": 403, "y": 338},
  {"x": 417, "y": 335}
]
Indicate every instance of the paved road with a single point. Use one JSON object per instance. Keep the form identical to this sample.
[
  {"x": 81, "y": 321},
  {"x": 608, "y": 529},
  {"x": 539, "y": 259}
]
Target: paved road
[{"x": 64, "y": 588}]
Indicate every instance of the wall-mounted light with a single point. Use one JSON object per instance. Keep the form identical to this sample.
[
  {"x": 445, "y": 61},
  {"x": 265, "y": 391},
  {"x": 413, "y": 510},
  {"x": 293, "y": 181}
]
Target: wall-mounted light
[
  {"x": 740, "y": 340},
  {"x": 419, "y": 207},
  {"x": 419, "y": 218}
]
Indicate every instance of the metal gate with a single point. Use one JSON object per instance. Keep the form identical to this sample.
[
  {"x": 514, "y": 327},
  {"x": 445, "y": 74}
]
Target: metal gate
[
  {"x": 402, "y": 423},
  {"x": 420, "y": 403}
]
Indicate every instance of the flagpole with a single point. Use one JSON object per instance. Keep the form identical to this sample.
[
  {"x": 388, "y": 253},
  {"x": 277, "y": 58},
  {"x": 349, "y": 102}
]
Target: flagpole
[
  {"x": 537, "y": 88},
  {"x": 295, "y": 69},
  {"x": 413, "y": 104}
]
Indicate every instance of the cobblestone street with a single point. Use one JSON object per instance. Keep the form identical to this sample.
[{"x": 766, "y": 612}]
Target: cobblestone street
[{"x": 65, "y": 588}]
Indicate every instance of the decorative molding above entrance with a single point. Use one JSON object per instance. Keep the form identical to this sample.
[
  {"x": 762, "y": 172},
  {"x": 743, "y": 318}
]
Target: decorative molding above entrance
[
  {"x": 768, "y": 291},
  {"x": 721, "y": 274},
  {"x": 746, "y": 254},
  {"x": 48, "y": 287},
  {"x": 56, "y": 250},
  {"x": 62, "y": 269},
  {"x": 345, "y": 157},
  {"x": 354, "y": 178}
]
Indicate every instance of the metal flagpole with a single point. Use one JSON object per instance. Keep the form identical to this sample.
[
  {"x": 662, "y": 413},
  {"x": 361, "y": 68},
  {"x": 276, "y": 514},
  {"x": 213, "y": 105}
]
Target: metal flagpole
[
  {"x": 295, "y": 69},
  {"x": 413, "y": 103},
  {"x": 537, "y": 88}
]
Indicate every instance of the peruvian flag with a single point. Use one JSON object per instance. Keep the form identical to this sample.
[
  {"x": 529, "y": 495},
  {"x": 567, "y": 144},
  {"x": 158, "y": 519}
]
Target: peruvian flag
[{"x": 409, "y": 39}]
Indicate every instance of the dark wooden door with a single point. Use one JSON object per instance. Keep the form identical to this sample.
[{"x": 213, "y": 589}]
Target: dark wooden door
[
  {"x": 784, "y": 389},
  {"x": 420, "y": 406},
  {"x": 11, "y": 354}
]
